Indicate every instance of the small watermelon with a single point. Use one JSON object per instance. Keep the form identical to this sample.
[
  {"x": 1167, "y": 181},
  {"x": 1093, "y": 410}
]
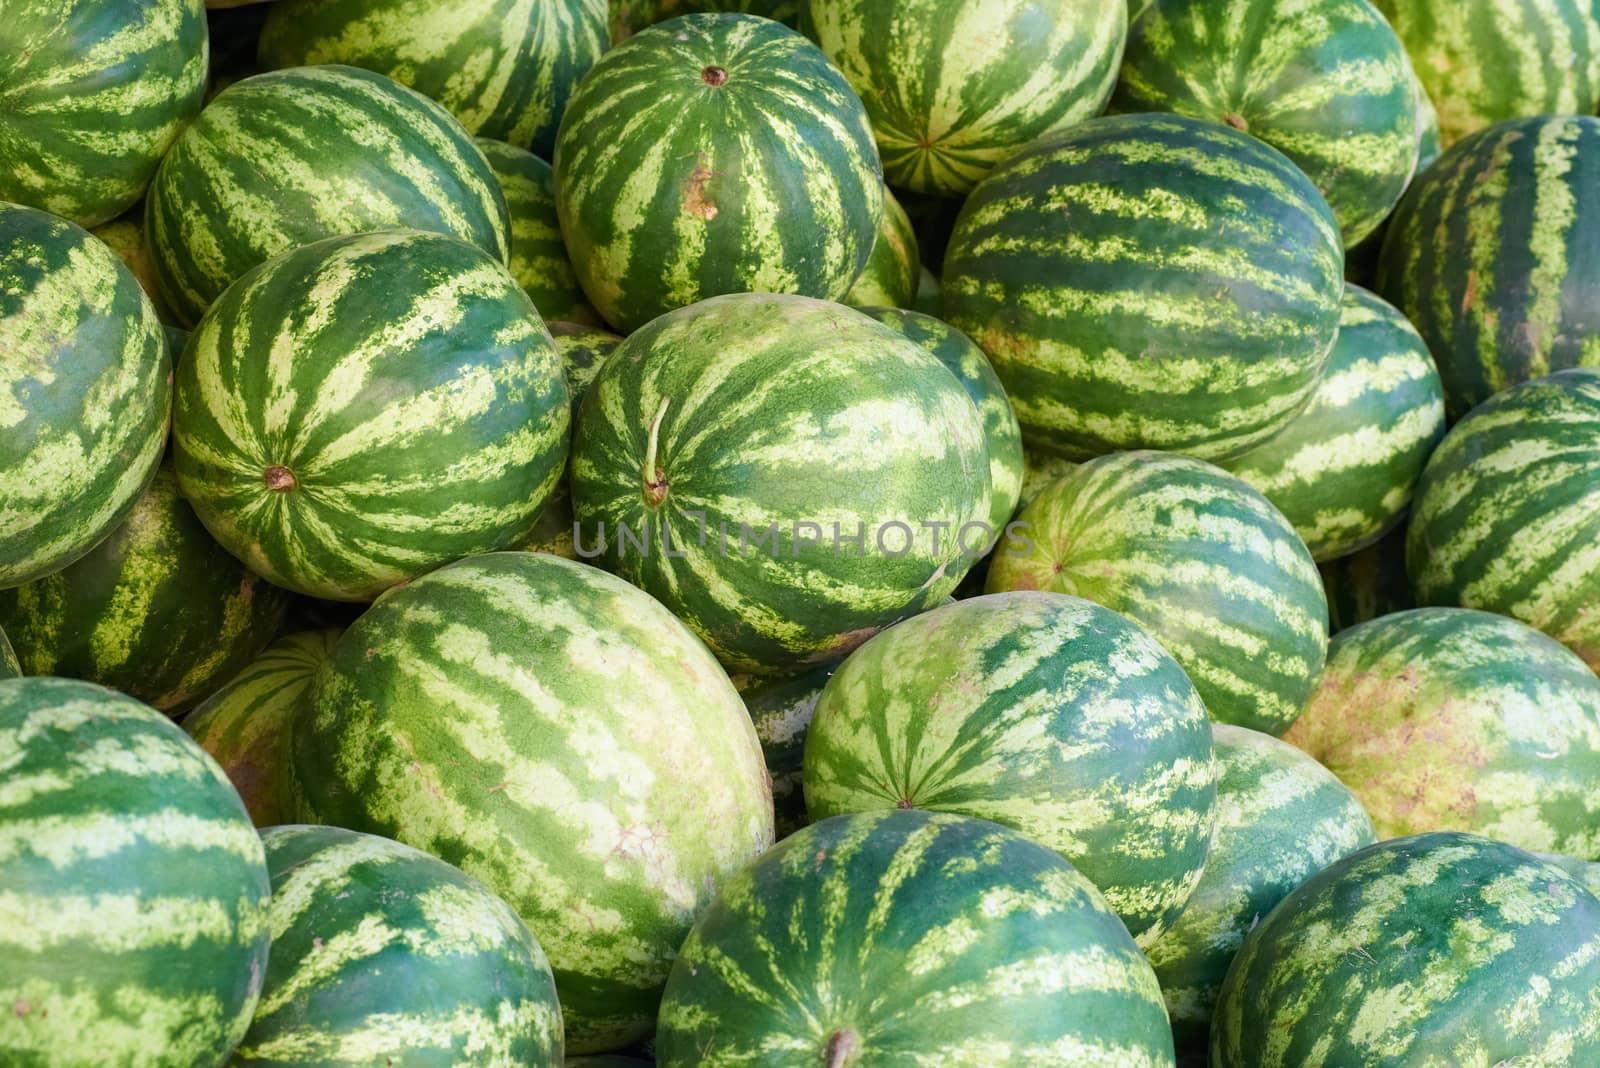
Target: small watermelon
[
  {"x": 539, "y": 260},
  {"x": 894, "y": 268},
  {"x": 1367, "y": 584},
  {"x": 781, "y": 707},
  {"x": 124, "y": 235}
]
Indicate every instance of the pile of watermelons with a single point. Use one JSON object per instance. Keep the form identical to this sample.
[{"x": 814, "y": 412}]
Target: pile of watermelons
[{"x": 800, "y": 533}]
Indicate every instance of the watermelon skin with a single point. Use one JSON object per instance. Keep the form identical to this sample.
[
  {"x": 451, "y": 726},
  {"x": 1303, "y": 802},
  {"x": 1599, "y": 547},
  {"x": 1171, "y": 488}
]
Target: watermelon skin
[
  {"x": 781, "y": 708},
  {"x": 831, "y": 419},
  {"x": 564, "y": 682},
  {"x": 672, "y": 189},
  {"x": 628, "y": 17},
  {"x": 1039, "y": 469},
  {"x": 1104, "y": 339},
  {"x": 1587, "y": 872},
  {"x": 894, "y": 269},
  {"x": 274, "y": 162},
  {"x": 908, "y": 937},
  {"x": 382, "y": 954},
  {"x": 1505, "y": 517},
  {"x": 334, "y": 490},
  {"x": 1198, "y": 558},
  {"x": 1437, "y": 950},
  {"x": 10, "y": 668},
  {"x": 539, "y": 260},
  {"x": 1281, "y": 818},
  {"x": 85, "y": 391},
  {"x": 124, "y": 235},
  {"x": 954, "y": 89},
  {"x": 1001, "y": 708},
  {"x": 1368, "y": 584},
  {"x": 135, "y": 890}
]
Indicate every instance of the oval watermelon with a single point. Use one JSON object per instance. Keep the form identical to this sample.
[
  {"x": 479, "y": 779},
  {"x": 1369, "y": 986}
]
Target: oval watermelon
[
  {"x": 1368, "y": 584},
  {"x": 781, "y": 708},
  {"x": 894, "y": 268},
  {"x": 539, "y": 259}
]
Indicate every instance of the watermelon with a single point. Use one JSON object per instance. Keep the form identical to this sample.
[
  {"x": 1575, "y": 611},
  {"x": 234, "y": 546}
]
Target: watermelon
[
  {"x": 929, "y": 299},
  {"x": 786, "y": 475},
  {"x": 557, "y": 734},
  {"x": 1507, "y": 517},
  {"x": 719, "y": 154},
  {"x": 124, "y": 235},
  {"x": 891, "y": 938},
  {"x": 1586, "y": 872},
  {"x": 364, "y": 408},
  {"x": 781, "y": 707},
  {"x": 538, "y": 257},
  {"x": 894, "y": 269},
  {"x": 1002, "y": 708},
  {"x": 955, "y": 88},
  {"x": 1492, "y": 255},
  {"x": 1039, "y": 469},
  {"x": 628, "y": 17},
  {"x": 1437, "y": 950},
  {"x": 85, "y": 388},
  {"x": 135, "y": 891},
  {"x": 1367, "y": 584},
  {"x": 1189, "y": 311},
  {"x": 245, "y": 725},
  {"x": 1281, "y": 818},
  {"x": 382, "y": 954},
  {"x": 284, "y": 159},
  {"x": 1195, "y": 556},
  {"x": 9, "y": 667}
]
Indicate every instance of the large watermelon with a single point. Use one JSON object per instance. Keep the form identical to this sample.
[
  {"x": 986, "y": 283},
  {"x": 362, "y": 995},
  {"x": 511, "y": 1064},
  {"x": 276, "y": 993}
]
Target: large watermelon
[
  {"x": 954, "y": 88},
  {"x": 539, "y": 260},
  {"x": 284, "y": 159},
  {"x": 1197, "y": 557},
  {"x": 894, "y": 268},
  {"x": 628, "y": 17},
  {"x": 1507, "y": 517},
  {"x": 557, "y": 734},
  {"x": 1440, "y": 950},
  {"x": 1149, "y": 281},
  {"x": 85, "y": 388},
  {"x": 134, "y": 893},
  {"x": 718, "y": 154},
  {"x": 1002, "y": 708},
  {"x": 364, "y": 408},
  {"x": 1367, "y": 584},
  {"x": 384, "y": 955},
  {"x": 787, "y": 475},
  {"x": 892, "y": 938},
  {"x": 781, "y": 707}
]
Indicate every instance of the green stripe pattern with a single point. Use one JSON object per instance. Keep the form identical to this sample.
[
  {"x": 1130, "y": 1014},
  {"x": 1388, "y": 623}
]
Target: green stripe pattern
[
  {"x": 911, "y": 938},
  {"x": 1039, "y": 469},
  {"x": 628, "y": 17},
  {"x": 559, "y": 736},
  {"x": 1507, "y": 517},
  {"x": 895, "y": 267},
  {"x": 1369, "y": 583},
  {"x": 720, "y": 154},
  {"x": 10, "y": 668},
  {"x": 1149, "y": 281},
  {"x": 781, "y": 707},
  {"x": 368, "y": 407},
  {"x": 1198, "y": 558},
  {"x": 1586, "y": 872},
  {"x": 133, "y": 912},
  {"x": 85, "y": 389},
  {"x": 1437, "y": 951},
  {"x": 125, "y": 236},
  {"x": 954, "y": 87},
  {"x": 288, "y": 158},
  {"x": 539, "y": 259},
  {"x": 384, "y": 955},
  {"x": 1002, "y": 708}
]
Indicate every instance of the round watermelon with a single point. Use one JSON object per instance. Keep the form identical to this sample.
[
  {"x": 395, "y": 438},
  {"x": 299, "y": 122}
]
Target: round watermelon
[
  {"x": 124, "y": 235},
  {"x": 538, "y": 257},
  {"x": 628, "y": 17},
  {"x": 894, "y": 268},
  {"x": 1039, "y": 469},
  {"x": 781, "y": 707},
  {"x": 1367, "y": 584}
]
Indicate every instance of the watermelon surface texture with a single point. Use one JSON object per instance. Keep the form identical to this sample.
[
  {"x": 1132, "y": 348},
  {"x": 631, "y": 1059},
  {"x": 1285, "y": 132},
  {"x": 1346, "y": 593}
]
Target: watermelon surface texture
[
  {"x": 538, "y": 256},
  {"x": 894, "y": 268},
  {"x": 125, "y": 236},
  {"x": 781, "y": 707},
  {"x": 628, "y": 17},
  {"x": 1367, "y": 584}
]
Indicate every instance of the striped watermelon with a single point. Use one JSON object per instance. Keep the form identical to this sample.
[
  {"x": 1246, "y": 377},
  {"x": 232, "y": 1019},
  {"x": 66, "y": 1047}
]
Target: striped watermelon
[
  {"x": 781, "y": 708},
  {"x": 1367, "y": 584},
  {"x": 384, "y": 955},
  {"x": 954, "y": 88},
  {"x": 892, "y": 938},
  {"x": 894, "y": 269},
  {"x": 720, "y": 154},
  {"x": 283, "y": 159},
  {"x": 1002, "y": 708},
  {"x": 135, "y": 893},
  {"x": 9, "y": 667},
  {"x": 1442, "y": 949},
  {"x": 245, "y": 725},
  {"x": 557, "y": 734},
  {"x": 1039, "y": 469},
  {"x": 1197, "y": 557},
  {"x": 538, "y": 257},
  {"x": 729, "y": 449},
  {"x": 124, "y": 235},
  {"x": 1281, "y": 818},
  {"x": 1493, "y": 255},
  {"x": 364, "y": 408},
  {"x": 1190, "y": 310},
  {"x": 85, "y": 388},
  {"x": 628, "y": 17},
  {"x": 1507, "y": 517},
  {"x": 1586, "y": 872}
]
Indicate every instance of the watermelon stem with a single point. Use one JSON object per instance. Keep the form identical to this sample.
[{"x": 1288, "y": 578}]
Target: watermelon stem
[
  {"x": 655, "y": 480},
  {"x": 279, "y": 479},
  {"x": 714, "y": 77},
  {"x": 841, "y": 1047}
]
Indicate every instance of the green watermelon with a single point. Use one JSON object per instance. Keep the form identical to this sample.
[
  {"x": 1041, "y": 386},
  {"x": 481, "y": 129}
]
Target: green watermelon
[
  {"x": 894, "y": 269},
  {"x": 364, "y": 408},
  {"x": 85, "y": 388},
  {"x": 954, "y": 88},
  {"x": 900, "y": 938},
  {"x": 1492, "y": 256},
  {"x": 929, "y": 299},
  {"x": 1281, "y": 818},
  {"x": 284, "y": 159},
  {"x": 781, "y": 708},
  {"x": 9, "y": 667},
  {"x": 1367, "y": 584},
  {"x": 557, "y": 734},
  {"x": 124, "y": 235},
  {"x": 1195, "y": 556},
  {"x": 1002, "y": 708},
  {"x": 718, "y": 154},
  {"x": 1149, "y": 281},
  {"x": 628, "y": 17},
  {"x": 135, "y": 893},
  {"x": 538, "y": 257},
  {"x": 1506, "y": 518},
  {"x": 245, "y": 725},
  {"x": 1437, "y": 951},
  {"x": 786, "y": 475},
  {"x": 1039, "y": 469},
  {"x": 382, "y": 955},
  {"x": 1586, "y": 872}
]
